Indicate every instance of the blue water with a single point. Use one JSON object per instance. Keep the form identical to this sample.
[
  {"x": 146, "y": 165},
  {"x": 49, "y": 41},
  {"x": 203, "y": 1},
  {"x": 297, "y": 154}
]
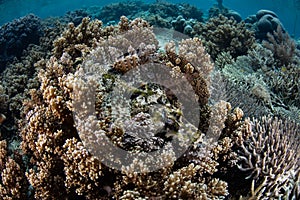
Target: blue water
[{"x": 285, "y": 9}]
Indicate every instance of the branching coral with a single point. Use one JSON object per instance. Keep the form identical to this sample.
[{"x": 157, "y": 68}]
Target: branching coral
[
  {"x": 271, "y": 158},
  {"x": 13, "y": 184},
  {"x": 221, "y": 34},
  {"x": 83, "y": 171},
  {"x": 113, "y": 12},
  {"x": 286, "y": 84},
  {"x": 57, "y": 162},
  {"x": 59, "y": 158},
  {"x": 165, "y": 9},
  {"x": 4, "y": 105},
  {"x": 282, "y": 46},
  {"x": 77, "y": 40},
  {"x": 16, "y": 36}
]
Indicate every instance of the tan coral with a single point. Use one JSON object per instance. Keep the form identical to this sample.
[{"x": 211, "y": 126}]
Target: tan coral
[
  {"x": 82, "y": 170},
  {"x": 195, "y": 63},
  {"x": 274, "y": 145},
  {"x": 2, "y": 118},
  {"x": 12, "y": 180},
  {"x": 221, "y": 34},
  {"x": 62, "y": 167}
]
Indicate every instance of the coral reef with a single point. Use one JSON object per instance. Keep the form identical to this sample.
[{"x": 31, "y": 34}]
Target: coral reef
[
  {"x": 221, "y": 34},
  {"x": 285, "y": 84},
  {"x": 264, "y": 22},
  {"x": 113, "y": 12},
  {"x": 232, "y": 87},
  {"x": 59, "y": 159},
  {"x": 282, "y": 46},
  {"x": 260, "y": 75},
  {"x": 16, "y": 36},
  {"x": 272, "y": 159},
  {"x": 13, "y": 184},
  {"x": 182, "y": 25},
  {"x": 219, "y": 9},
  {"x": 75, "y": 16},
  {"x": 165, "y": 9},
  {"x": 159, "y": 13},
  {"x": 44, "y": 151}
]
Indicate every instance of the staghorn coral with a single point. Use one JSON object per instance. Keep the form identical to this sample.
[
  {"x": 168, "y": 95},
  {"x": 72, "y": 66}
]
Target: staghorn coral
[
  {"x": 221, "y": 34},
  {"x": 241, "y": 76},
  {"x": 271, "y": 158},
  {"x": 261, "y": 58},
  {"x": 223, "y": 59},
  {"x": 256, "y": 76},
  {"x": 285, "y": 83}
]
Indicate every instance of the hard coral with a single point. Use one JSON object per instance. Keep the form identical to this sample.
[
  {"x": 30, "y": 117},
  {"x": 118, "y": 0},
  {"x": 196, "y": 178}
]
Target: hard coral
[
  {"x": 113, "y": 12},
  {"x": 76, "y": 41},
  {"x": 165, "y": 10},
  {"x": 271, "y": 158},
  {"x": 282, "y": 46},
  {"x": 59, "y": 159},
  {"x": 265, "y": 21},
  {"x": 16, "y": 36},
  {"x": 221, "y": 34},
  {"x": 60, "y": 164},
  {"x": 286, "y": 84},
  {"x": 13, "y": 183},
  {"x": 44, "y": 145}
]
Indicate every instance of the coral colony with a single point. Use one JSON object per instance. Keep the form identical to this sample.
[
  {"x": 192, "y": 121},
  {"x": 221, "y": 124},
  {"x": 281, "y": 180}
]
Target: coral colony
[{"x": 87, "y": 100}]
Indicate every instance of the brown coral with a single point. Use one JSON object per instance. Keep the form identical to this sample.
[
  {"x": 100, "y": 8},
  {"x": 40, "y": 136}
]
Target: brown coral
[
  {"x": 60, "y": 160},
  {"x": 61, "y": 164},
  {"x": 282, "y": 46},
  {"x": 221, "y": 34},
  {"x": 13, "y": 183},
  {"x": 195, "y": 63},
  {"x": 271, "y": 158}
]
